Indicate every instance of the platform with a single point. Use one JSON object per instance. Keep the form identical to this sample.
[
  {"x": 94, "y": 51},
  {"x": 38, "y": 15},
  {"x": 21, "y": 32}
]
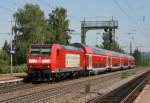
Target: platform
[
  {"x": 144, "y": 96},
  {"x": 9, "y": 78}
]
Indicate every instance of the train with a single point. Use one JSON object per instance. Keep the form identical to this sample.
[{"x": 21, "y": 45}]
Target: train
[{"x": 56, "y": 61}]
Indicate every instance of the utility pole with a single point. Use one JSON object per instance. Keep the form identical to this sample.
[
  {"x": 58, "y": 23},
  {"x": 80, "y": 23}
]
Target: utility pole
[
  {"x": 83, "y": 32},
  {"x": 11, "y": 46},
  {"x": 11, "y": 71},
  {"x": 113, "y": 29},
  {"x": 130, "y": 47}
]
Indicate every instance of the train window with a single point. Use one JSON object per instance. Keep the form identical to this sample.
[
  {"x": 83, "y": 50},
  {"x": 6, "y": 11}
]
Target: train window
[
  {"x": 40, "y": 51},
  {"x": 71, "y": 48}
]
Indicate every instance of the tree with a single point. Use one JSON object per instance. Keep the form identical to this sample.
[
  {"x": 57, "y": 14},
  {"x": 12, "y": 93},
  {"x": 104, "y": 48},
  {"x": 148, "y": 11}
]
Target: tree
[
  {"x": 137, "y": 55},
  {"x": 4, "y": 58},
  {"x": 58, "y": 24},
  {"x": 30, "y": 24},
  {"x": 30, "y": 28},
  {"x": 21, "y": 52},
  {"x": 108, "y": 43},
  {"x": 6, "y": 47},
  {"x": 106, "y": 40},
  {"x": 115, "y": 47}
]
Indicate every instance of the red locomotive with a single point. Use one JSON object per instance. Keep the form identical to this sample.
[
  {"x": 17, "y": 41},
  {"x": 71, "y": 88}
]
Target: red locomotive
[{"x": 59, "y": 61}]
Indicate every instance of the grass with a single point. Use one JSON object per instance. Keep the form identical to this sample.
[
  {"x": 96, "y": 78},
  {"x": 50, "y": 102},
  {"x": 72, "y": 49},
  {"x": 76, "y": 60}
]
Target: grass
[
  {"x": 125, "y": 74},
  {"x": 16, "y": 69}
]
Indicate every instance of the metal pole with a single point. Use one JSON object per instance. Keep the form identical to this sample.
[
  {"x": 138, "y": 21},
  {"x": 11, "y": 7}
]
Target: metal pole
[
  {"x": 83, "y": 32},
  {"x": 130, "y": 47},
  {"x": 11, "y": 49},
  {"x": 113, "y": 28}
]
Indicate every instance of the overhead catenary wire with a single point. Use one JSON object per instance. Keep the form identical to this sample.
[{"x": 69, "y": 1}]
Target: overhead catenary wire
[
  {"x": 125, "y": 13},
  {"x": 52, "y": 7},
  {"x": 130, "y": 9},
  {"x": 143, "y": 20},
  {"x": 139, "y": 28},
  {"x": 58, "y": 2},
  {"x": 134, "y": 13},
  {"x": 45, "y": 3},
  {"x": 6, "y": 9}
]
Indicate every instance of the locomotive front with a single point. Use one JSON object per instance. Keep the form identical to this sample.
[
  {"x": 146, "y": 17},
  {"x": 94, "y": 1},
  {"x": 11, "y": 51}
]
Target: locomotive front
[{"x": 38, "y": 61}]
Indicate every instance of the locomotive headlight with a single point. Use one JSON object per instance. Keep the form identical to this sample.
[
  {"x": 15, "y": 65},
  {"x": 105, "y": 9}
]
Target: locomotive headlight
[
  {"x": 46, "y": 61},
  {"x": 32, "y": 61}
]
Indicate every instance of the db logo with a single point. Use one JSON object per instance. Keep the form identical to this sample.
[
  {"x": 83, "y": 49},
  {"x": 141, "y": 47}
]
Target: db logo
[{"x": 39, "y": 60}]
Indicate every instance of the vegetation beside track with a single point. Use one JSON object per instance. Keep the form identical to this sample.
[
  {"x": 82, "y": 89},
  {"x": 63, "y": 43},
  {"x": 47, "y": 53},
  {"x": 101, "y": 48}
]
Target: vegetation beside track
[
  {"x": 16, "y": 69},
  {"x": 140, "y": 59},
  {"x": 125, "y": 74}
]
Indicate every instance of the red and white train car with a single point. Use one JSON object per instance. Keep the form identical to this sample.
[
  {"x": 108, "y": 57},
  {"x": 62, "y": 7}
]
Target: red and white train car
[
  {"x": 46, "y": 61},
  {"x": 51, "y": 61}
]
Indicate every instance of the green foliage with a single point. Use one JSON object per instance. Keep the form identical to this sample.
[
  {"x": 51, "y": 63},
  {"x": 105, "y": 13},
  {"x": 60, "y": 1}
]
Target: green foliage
[
  {"x": 58, "y": 24},
  {"x": 30, "y": 24},
  {"x": 5, "y": 69},
  {"x": 16, "y": 69},
  {"x": 21, "y": 52},
  {"x": 125, "y": 74},
  {"x": 32, "y": 27},
  {"x": 4, "y": 58},
  {"x": 5, "y": 64},
  {"x": 137, "y": 55},
  {"x": 140, "y": 59},
  {"x": 6, "y": 47},
  {"x": 106, "y": 40},
  {"x": 99, "y": 46},
  {"x": 20, "y": 68},
  {"x": 144, "y": 61},
  {"x": 115, "y": 47},
  {"x": 110, "y": 44}
]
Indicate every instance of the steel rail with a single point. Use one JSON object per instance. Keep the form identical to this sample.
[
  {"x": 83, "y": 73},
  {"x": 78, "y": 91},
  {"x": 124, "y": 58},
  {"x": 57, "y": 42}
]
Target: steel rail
[
  {"x": 58, "y": 90},
  {"x": 131, "y": 96},
  {"x": 125, "y": 93}
]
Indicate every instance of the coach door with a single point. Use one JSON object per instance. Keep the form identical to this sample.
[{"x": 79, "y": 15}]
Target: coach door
[
  {"x": 109, "y": 62},
  {"x": 89, "y": 60}
]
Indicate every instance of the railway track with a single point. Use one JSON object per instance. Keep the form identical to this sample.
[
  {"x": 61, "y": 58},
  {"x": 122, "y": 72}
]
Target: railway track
[
  {"x": 11, "y": 87},
  {"x": 50, "y": 92},
  {"x": 8, "y": 89},
  {"x": 125, "y": 93},
  {"x": 35, "y": 96}
]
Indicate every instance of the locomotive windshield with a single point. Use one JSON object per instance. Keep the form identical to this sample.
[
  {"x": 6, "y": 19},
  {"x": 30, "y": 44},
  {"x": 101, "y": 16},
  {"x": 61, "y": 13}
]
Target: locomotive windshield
[{"x": 42, "y": 50}]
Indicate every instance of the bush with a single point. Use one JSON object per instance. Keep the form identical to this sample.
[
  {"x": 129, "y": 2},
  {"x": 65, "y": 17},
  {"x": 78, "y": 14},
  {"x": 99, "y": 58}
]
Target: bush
[
  {"x": 5, "y": 69},
  {"x": 145, "y": 61},
  {"x": 16, "y": 69},
  {"x": 20, "y": 68},
  {"x": 125, "y": 74}
]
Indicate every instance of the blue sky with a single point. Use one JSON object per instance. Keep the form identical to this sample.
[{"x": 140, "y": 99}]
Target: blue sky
[{"x": 133, "y": 17}]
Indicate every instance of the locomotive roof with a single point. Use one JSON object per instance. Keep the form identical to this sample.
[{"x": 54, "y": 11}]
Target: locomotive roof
[
  {"x": 84, "y": 47},
  {"x": 70, "y": 47},
  {"x": 40, "y": 45}
]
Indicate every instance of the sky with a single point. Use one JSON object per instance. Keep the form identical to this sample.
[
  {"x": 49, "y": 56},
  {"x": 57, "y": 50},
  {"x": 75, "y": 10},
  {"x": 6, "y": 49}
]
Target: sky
[{"x": 133, "y": 17}]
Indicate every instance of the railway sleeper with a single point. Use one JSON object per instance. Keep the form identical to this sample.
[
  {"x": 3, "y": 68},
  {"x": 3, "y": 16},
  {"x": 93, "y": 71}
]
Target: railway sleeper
[{"x": 124, "y": 93}]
